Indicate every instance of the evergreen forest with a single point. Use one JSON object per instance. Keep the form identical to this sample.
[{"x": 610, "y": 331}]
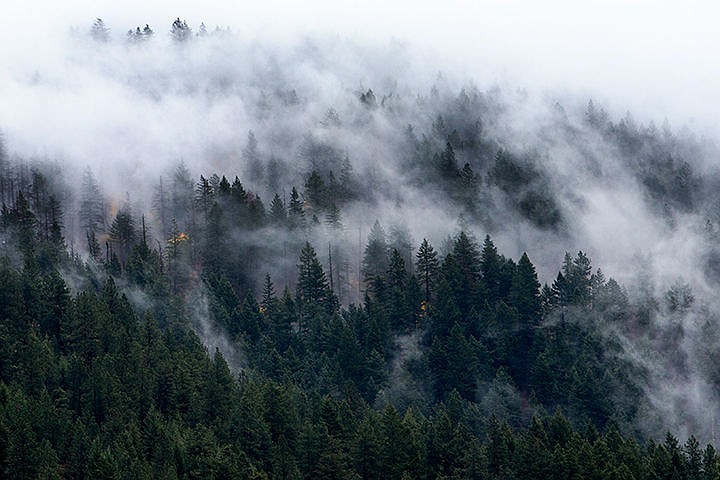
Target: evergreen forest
[{"x": 269, "y": 321}]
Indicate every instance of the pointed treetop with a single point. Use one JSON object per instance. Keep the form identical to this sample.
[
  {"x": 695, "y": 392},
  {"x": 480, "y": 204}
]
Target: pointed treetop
[{"x": 99, "y": 32}]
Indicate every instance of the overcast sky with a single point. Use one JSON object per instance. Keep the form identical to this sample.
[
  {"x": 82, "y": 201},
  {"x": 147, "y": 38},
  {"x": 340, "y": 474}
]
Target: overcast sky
[{"x": 659, "y": 59}]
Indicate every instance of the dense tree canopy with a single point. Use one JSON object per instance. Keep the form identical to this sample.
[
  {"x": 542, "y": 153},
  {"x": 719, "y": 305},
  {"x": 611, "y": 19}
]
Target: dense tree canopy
[
  {"x": 94, "y": 385},
  {"x": 205, "y": 336}
]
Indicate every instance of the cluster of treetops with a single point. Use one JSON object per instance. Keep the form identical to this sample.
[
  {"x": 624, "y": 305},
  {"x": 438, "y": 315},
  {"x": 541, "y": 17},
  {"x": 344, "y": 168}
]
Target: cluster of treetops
[
  {"x": 180, "y": 31},
  {"x": 453, "y": 366}
]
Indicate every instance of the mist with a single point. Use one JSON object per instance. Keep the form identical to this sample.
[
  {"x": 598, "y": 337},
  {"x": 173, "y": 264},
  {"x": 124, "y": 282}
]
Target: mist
[{"x": 133, "y": 111}]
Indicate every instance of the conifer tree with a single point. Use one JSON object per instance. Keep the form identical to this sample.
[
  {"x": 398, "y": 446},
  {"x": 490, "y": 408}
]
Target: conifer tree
[
  {"x": 312, "y": 287},
  {"x": 203, "y": 195},
  {"x": 398, "y": 308},
  {"x": 375, "y": 259},
  {"x": 578, "y": 278},
  {"x": 123, "y": 233},
  {"x": 446, "y": 163},
  {"x": 253, "y": 162},
  {"x": 463, "y": 273},
  {"x": 427, "y": 268},
  {"x": 490, "y": 264},
  {"x": 161, "y": 207},
  {"x": 296, "y": 212},
  {"x": 316, "y": 191},
  {"x": 348, "y": 185},
  {"x": 560, "y": 296},
  {"x": 99, "y": 32},
  {"x": 215, "y": 248},
  {"x": 224, "y": 188},
  {"x": 180, "y": 31},
  {"x": 238, "y": 192},
  {"x": 525, "y": 292},
  {"x": 181, "y": 197},
  {"x": 277, "y": 211},
  {"x": 92, "y": 205},
  {"x": 269, "y": 300}
]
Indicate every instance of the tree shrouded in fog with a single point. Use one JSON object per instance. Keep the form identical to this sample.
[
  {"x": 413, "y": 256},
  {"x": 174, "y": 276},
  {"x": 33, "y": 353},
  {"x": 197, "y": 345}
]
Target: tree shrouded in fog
[
  {"x": 92, "y": 205},
  {"x": 253, "y": 162},
  {"x": 91, "y": 212},
  {"x": 277, "y": 210},
  {"x": 123, "y": 233},
  {"x": 296, "y": 212},
  {"x": 375, "y": 259},
  {"x": 180, "y": 31},
  {"x": 99, "y": 32}
]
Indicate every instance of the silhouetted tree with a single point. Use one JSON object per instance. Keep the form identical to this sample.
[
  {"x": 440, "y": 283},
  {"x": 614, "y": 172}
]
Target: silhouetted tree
[
  {"x": 180, "y": 31},
  {"x": 427, "y": 268}
]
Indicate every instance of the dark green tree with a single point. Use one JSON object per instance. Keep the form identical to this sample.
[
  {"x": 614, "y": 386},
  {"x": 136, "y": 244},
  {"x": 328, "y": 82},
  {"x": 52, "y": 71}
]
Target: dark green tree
[
  {"x": 490, "y": 266},
  {"x": 316, "y": 191},
  {"x": 216, "y": 251},
  {"x": 296, "y": 211},
  {"x": 446, "y": 163},
  {"x": 399, "y": 310},
  {"x": 313, "y": 290},
  {"x": 278, "y": 215},
  {"x": 578, "y": 278},
  {"x": 427, "y": 268},
  {"x": 462, "y": 272},
  {"x": 123, "y": 233},
  {"x": 375, "y": 260},
  {"x": 525, "y": 293},
  {"x": 204, "y": 196}
]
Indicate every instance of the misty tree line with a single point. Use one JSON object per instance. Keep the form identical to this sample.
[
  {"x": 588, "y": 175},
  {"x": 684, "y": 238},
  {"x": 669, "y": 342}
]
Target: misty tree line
[
  {"x": 179, "y": 31},
  {"x": 200, "y": 220},
  {"x": 448, "y": 368},
  {"x": 452, "y": 143}
]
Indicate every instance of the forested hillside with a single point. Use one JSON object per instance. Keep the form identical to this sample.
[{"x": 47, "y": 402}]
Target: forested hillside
[
  {"x": 382, "y": 283},
  {"x": 464, "y": 368}
]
